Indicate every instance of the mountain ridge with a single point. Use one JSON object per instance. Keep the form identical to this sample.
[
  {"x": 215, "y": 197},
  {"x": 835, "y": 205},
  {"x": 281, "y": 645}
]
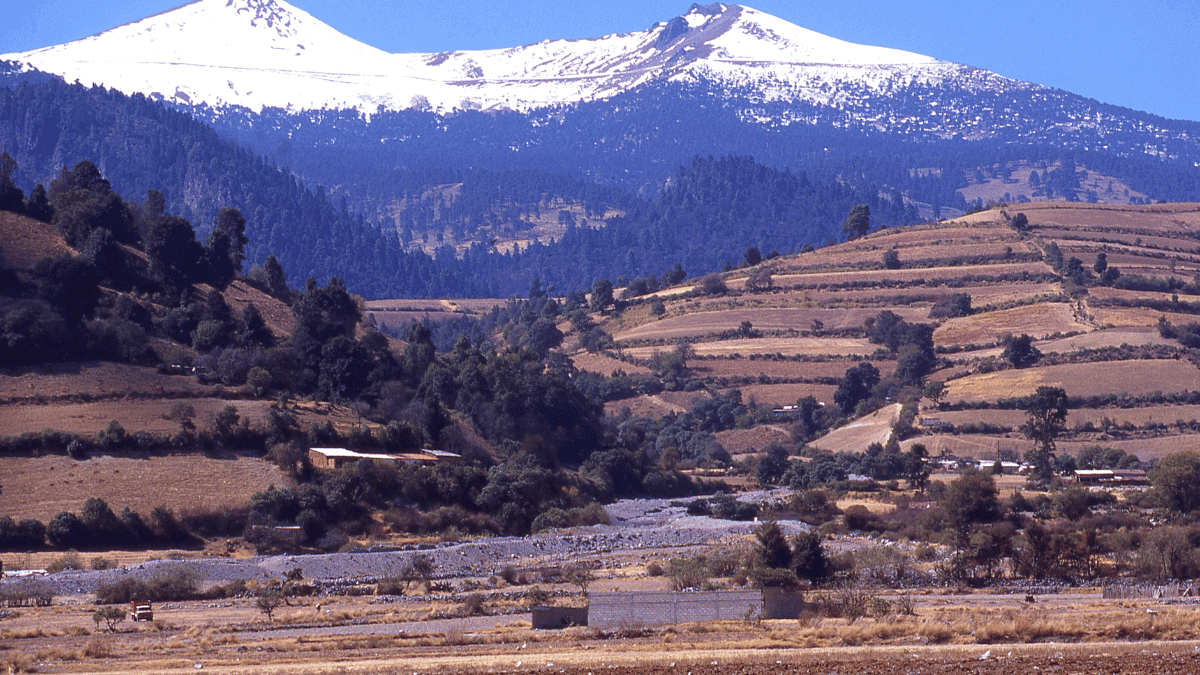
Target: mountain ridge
[{"x": 283, "y": 57}]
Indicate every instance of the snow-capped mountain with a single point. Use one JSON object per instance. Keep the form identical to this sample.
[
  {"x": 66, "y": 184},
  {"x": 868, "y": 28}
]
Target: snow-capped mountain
[{"x": 266, "y": 53}]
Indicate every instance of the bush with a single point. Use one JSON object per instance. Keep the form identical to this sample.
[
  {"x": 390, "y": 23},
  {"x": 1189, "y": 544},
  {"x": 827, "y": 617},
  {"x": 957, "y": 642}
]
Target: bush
[
  {"x": 26, "y": 593},
  {"x": 67, "y": 561},
  {"x": 176, "y": 584},
  {"x": 473, "y": 605},
  {"x": 689, "y": 573},
  {"x": 711, "y": 284},
  {"x": 551, "y": 519},
  {"x": 773, "y": 577},
  {"x": 111, "y": 616}
]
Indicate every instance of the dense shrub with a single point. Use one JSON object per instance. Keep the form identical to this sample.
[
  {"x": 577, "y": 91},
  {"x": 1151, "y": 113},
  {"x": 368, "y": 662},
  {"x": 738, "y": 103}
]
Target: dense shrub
[{"x": 180, "y": 583}]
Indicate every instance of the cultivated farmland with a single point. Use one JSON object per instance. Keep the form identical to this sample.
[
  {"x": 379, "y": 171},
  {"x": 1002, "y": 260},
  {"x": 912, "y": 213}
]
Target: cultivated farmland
[{"x": 799, "y": 333}]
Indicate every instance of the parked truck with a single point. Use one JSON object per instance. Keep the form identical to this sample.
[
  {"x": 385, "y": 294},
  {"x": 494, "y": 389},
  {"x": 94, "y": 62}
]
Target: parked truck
[{"x": 140, "y": 611}]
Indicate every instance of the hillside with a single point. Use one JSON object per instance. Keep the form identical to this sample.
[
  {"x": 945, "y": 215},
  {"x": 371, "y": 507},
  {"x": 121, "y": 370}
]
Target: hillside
[
  {"x": 798, "y": 333},
  {"x": 122, "y": 386}
]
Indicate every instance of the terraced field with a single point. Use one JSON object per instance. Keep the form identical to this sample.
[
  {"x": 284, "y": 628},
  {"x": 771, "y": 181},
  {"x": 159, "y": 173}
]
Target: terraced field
[{"x": 806, "y": 327}]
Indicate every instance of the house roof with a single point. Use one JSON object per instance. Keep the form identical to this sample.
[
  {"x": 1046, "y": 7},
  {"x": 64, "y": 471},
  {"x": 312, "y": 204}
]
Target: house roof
[{"x": 352, "y": 454}]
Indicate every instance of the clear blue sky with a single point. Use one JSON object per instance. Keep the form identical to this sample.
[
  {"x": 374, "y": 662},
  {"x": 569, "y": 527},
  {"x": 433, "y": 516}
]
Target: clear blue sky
[{"x": 1142, "y": 54}]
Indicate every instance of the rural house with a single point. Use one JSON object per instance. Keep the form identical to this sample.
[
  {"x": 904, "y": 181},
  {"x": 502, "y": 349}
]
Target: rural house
[{"x": 337, "y": 458}]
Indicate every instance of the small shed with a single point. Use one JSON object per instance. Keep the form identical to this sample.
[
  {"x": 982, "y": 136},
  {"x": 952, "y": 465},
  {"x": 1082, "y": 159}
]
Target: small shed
[{"x": 337, "y": 458}]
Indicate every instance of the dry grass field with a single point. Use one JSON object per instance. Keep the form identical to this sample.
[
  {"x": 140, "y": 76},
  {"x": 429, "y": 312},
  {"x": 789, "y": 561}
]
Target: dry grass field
[
  {"x": 1139, "y": 417},
  {"x": 982, "y": 294},
  {"x": 1038, "y": 321},
  {"x": 744, "y": 441},
  {"x": 801, "y": 346},
  {"x": 786, "y": 394},
  {"x": 42, "y": 487},
  {"x": 717, "y": 368},
  {"x": 1079, "y": 379},
  {"x": 870, "y": 252},
  {"x": 1113, "y": 337},
  {"x": 981, "y": 446},
  {"x": 605, "y": 365},
  {"x": 1136, "y": 316},
  {"x": 946, "y": 633},
  {"x": 152, "y": 414},
  {"x": 401, "y": 313},
  {"x": 91, "y": 380},
  {"x": 859, "y": 433},
  {"x": 1166, "y": 218},
  {"x": 1108, "y": 190},
  {"x": 909, "y": 275},
  {"x": 24, "y": 241},
  {"x": 700, "y": 324},
  {"x": 275, "y": 313}
]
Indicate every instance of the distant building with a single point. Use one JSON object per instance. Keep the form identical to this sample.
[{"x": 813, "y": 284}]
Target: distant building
[
  {"x": 1007, "y": 468},
  {"x": 1112, "y": 477},
  {"x": 337, "y": 458}
]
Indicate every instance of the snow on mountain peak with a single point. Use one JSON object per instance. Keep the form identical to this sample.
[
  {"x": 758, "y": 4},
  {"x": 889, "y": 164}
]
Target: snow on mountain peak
[{"x": 258, "y": 53}]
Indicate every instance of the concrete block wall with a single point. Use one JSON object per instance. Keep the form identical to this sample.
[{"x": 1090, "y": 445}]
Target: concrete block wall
[
  {"x": 660, "y": 608},
  {"x": 550, "y": 618}
]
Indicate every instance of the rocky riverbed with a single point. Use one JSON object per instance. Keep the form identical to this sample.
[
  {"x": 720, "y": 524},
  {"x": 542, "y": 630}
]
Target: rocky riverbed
[{"x": 650, "y": 529}]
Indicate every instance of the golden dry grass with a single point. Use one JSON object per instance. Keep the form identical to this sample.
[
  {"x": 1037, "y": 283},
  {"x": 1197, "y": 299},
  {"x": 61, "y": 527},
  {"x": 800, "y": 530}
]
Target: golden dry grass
[
  {"x": 858, "y": 434},
  {"x": 786, "y": 279},
  {"x": 1079, "y": 379},
  {"x": 786, "y": 394},
  {"x": 275, "y": 313},
  {"x": 767, "y": 320},
  {"x": 605, "y": 365},
  {"x": 24, "y": 241},
  {"x": 1037, "y": 321},
  {"x": 1054, "y": 634},
  {"x": 1165, "y": 414},
  {"x": 1166, "y": 218},
  {"x": 741, "y": 441},
  {"x": 780, "y": 369},
  {"x": 399, "y": 313},
  {"x": 88, "y": 419},
  {"x": 785, "y": 346},
  {"x": 91, "y": 380},
  {"x": 1136, "y": 316},
  {"x": 42, "y": 487},
  {"x": 870, "y": 252}
]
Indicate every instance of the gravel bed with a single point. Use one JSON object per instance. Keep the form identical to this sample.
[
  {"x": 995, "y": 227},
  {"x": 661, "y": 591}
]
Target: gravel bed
[{"x": 636, "y": 525}]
